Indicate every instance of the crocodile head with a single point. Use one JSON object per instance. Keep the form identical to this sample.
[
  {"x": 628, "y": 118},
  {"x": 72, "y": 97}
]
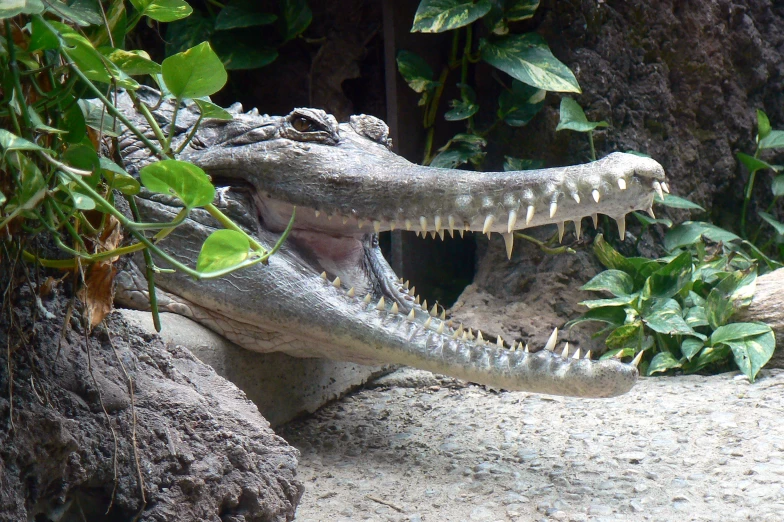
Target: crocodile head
[{"x": 329, "y": 292}]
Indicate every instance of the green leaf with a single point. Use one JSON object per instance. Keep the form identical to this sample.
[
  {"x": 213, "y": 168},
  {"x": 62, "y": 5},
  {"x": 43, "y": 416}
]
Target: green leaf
[
  {"x": 669, "y": 279},
  {"x": 79, "y": 12},
  {"x": 189, "y": 32},
  {"x": 710, "y": 355},
  {"x": 240, "y": 50},
  {"x": 96, "y": 117},
  {"x": 194, "y": 73},
  {"x": 81, "y": 201},
  {"x": 662, "y": 362},
  {"x": 678, "y": 202},
  {"x": 9, "y": 142},
  {"x": 616, "y": 282},
  {"x": 163, "y": 10},
  {"x": 117, "y": 22},
  {"x": 752, "y": 345},
  {"x": 3, "y": 199},
  {"x": 415, "y": 71},
  {"x": 518, "y": 105},
  {"x": 438, "y": 16},
  {"x": 296, "y": 18},
  {"x": 695, "y": 316},
  {"x": 613, "y": 315},
  {"x": 754, "y": 164},
  {"x": 210, "y": 110},
  {"x": 181, "y": 179},
  {"x": 42, "y": 36},
  {"x": 573, "y": 118},
  {"x": 648, "y": 221},
  {"x": 119, "y": 179},
  {"x": 11, "y": 8},
  {"x": 132, "y": 63},
  {"x": 242, "y": 13},
  {"x": 719, "y": 305},
  {"x": 615, "y": 301},
  {"x": 221, "y": 250},
  {"x": 527, "y": 58},
  {"x": 774, "y": 140},
  {"x": 772, "y": 222},
  {"x": 691, "y": 347},
  {"x": 618, "y": 353},
  {"x": 31, "y": 179},
  {"x": 665, "y": 316},
  {"x": 690, "y": 232},
  {"x": 512, "y": 164},
  {"x": 456, "y": 156},
  {"x": 82, "y": 156},
  {"x": 609, "y": 257},
  {"x": 624, "y": 336},
  {"x": 777, "y": 186},
  {"x": 763, "y": 125},
  {"x": 461, "y": 110},
  {"x": 517, "y": 10}
]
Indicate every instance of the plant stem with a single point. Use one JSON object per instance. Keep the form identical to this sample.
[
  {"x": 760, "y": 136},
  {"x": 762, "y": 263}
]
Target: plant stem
[
  {"x": 593, "y": 150},
  {"x": 14, "y": 67}
]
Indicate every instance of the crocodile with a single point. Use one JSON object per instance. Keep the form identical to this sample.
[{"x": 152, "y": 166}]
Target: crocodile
[{"x": 329, "y": 292}]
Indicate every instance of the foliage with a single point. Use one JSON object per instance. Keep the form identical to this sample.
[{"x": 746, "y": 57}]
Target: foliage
[
  {"x": 678, "y": 309},
  {"x": 238, "y": 30},
  {"x": 531, "y": 68},
  {"x": 61, "y": 66}
]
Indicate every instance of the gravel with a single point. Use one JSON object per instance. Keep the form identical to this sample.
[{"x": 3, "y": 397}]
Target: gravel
[{"x": 422, "y": 448}]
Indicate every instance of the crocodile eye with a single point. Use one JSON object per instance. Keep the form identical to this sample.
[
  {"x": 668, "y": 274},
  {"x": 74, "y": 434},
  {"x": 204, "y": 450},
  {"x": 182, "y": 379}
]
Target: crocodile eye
[{"x": 303, "y": 124}]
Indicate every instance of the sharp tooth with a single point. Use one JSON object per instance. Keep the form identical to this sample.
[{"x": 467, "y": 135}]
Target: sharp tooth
[
  {"x": 408, "y": 224},
  {"x": 565, "y": 352},
  {"x": 526, "y": 350},
  {"x": 479, "y": 338},
  {"x": 618, "y": 355},
  {"x": 441, "y": 328},
  {"x": 317, "y": 213},
  {"x": 412, "y": 291},
  {"x": 416, "y": 300},
  {"x": 650, "y": 212},
  {"x": 392, "y": 225},
  {"x": 351, "y": 292},
  {"x": 553, "y": 208},
  {"x": 576, "y": 197},
  {"x": 461, "y": 234},
  {"x": 367, "y": 299},
  {"x": 423, "y": 224},
  {"x": 455, "y": 335},
  {"x": 552, "y": 340},
  {"x": 451, "y": 221},
  {"x": 460, "y": 329},
  {"x": 380, "y": 305},
  {"x": 442, "y": 234},
  {"x": 324, "y": 276},
  {"x": 576, "y": 354},
  {"x": 621, "y": 221},
  {"x": 434, "y": 310},
  {"x": 427, "y": 323},
  {"x": 561, "y": 225},
  {"x": 658, "y": 188},
  {"x": 512, "y": 221},
  {"x": 443, "y": 315},
  {"x": 411, "y": 315},
  {"x": 377, "y": 226},
  {"x": 432, "y": 234},
  {"x": 406, "y": 284},
  {"x": 595, "y": 218},
  {"x": 345, "y": 219},
  {"x": 529, "y": 214},
  {"x": 336, "y": 282},
  {"x": 437, "y": 223},
  {"x": 489, "y": 220},
  {"x": 470, "y": 335},
  {"x": 509, "y": 241},
  {"x": 464, "y": 336},
  {"x": 595, "y": 194},
  {"x": 622, "y": 183},
  {"x": 360, "y": 223},
  {"x": 499, "y": 342},
  {"x": 578, "y": 227},
  {"x": 424, "y": 306},
  {"x": 513, "y": 347},
  {"x": 665, "y": 187},
  {"x": 394, "y": 309},
  {"x": 588, "y": 355},
  {"x": 637, "y": 359}
]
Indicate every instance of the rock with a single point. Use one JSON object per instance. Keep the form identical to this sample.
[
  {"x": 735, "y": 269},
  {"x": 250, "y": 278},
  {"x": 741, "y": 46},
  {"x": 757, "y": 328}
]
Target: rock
[{"x": 204, "y": 451}]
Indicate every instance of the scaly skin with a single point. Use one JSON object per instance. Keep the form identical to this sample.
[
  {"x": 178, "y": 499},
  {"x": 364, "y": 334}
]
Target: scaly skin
[{"x": 329, "y": 292}]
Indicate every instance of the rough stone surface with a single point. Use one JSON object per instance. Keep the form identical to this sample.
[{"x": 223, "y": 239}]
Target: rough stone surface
[
  {"x": 675, "y": 448},
  {"x": 282, "y": 387},
  {"x": 204, "y": 451}
]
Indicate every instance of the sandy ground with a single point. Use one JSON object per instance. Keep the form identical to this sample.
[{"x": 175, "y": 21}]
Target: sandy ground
[{"x": 421, "y": 448}]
